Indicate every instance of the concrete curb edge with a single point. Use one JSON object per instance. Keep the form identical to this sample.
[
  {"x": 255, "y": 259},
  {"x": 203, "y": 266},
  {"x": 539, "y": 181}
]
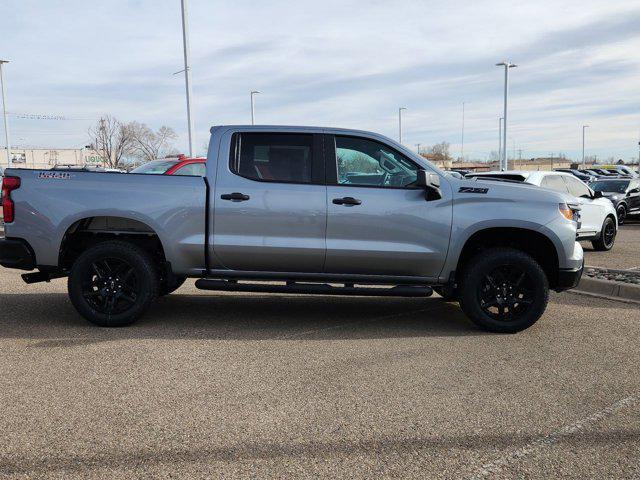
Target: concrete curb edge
[{"x": 609, "y": 289}]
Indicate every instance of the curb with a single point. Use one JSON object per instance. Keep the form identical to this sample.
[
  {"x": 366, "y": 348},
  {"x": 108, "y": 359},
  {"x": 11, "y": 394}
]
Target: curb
[{"x": 608, "y": 288}]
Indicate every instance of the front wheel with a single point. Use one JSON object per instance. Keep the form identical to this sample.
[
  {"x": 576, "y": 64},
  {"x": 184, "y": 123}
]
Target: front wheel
[
  {"x": 621, "y": 211},
  {"x": 504, "y": 290},
  {"x": 607, "y": 237},
  {"x": 112, "y": 284}
]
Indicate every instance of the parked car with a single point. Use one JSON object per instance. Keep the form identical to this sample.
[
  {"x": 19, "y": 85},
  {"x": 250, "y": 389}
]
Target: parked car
[
  {"x": 623, "y": 193},
  {"x": 621, "y": 170},
  {"x": 585, "y": 177},
  {"x": 304, "y": 209},
  {"x": 603, "y": 172},
  {"x": 179, "y": 165},
  {"x": 598, "y": 217}
]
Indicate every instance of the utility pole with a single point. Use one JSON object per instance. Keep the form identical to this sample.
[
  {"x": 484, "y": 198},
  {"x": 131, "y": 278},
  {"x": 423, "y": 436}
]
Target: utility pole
[
  {"x": 462, "y": 143},
  {"x": 187, "y": 74},
  {"x": 507, "y": 65},
  {"x": 253, "y": 111},
  {"x": 584, "y": 127},
  {"x": 400, "y": 124},
  {"x": 418, "y": 145},
  {"x": 4, "y": 114}
]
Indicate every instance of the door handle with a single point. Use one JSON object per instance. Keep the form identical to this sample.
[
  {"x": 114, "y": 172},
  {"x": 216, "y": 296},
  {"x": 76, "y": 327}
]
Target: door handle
[
  {"x": 235, "y": 197},
  {"x": 347, "y": 201}
]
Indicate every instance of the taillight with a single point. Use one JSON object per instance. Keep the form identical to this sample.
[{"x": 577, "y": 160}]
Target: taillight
[{"x": 9, "y": 184}]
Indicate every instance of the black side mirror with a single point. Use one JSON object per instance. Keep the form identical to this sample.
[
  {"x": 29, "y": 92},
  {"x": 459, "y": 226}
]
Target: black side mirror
[
  {"x": 597, "y": 194},
  {"x": 431, "y": 183},
  {"x": 634, "y": 190}
]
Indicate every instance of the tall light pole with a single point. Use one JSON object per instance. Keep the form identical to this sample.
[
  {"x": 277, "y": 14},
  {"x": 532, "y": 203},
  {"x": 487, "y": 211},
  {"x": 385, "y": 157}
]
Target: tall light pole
[
  {"x": 462, "y": 143},
  {"x": 187, "y": 74},
  {"x": 584, "y": 127},
  {"x": 253, "y": 111},
  {"x": 4, "y": 114},
  {"x": 507, "y": 66},
  {"x": 400, "y": 124},
  {"x": 418, "y": 145},
  {"x": 500, "y": 143}
]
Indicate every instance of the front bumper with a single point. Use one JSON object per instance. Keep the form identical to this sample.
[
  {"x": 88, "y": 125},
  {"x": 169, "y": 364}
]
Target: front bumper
[
  {"x": 569, "y": 278},
  {"x": 16, "y": 253}
]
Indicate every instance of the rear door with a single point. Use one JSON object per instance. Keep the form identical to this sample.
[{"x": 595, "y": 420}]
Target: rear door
[
  {"x": 270, "y": 202},
  {"x": 378, "y": 222}
]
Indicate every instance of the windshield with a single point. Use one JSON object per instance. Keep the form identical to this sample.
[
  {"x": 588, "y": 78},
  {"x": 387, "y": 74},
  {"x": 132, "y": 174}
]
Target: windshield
[
  {"x": 155, "y": 167},
  {"x": 617, "y": 186}
]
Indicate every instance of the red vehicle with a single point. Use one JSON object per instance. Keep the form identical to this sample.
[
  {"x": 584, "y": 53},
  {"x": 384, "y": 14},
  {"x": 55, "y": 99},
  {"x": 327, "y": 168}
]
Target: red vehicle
[{"x": 180, "y": 165}]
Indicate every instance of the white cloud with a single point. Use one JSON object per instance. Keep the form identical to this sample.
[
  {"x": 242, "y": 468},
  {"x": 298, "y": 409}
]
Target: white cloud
[{"x": 339, "y": 63}]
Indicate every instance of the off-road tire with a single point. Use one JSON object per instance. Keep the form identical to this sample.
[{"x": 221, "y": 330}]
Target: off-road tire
[
  {"x": 84, "y": 285},
  {"x": 473, "y": 286}
]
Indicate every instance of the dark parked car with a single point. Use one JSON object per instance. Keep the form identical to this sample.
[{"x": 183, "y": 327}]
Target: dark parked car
[{"x": 624, "y": 193}]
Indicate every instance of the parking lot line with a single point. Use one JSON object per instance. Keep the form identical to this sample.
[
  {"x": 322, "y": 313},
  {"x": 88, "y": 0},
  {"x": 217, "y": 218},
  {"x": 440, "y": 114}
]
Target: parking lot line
[{"x": 547, "y": 440}]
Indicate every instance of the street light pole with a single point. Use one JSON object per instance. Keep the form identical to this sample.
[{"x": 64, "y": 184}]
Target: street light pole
[
  {"x": 507, "y": 66},
  {"x": 187, "y": 74},
  {"x": 500, "y": 143},
  {"x": 400, "y": 124},
  {"x": 584, "y": 127},
  {"x": 4, "y": 114},
  {"x": 418, "y": 145},
  {"x": 462, "y": 143},
  {"x": 253, "y": 112}
]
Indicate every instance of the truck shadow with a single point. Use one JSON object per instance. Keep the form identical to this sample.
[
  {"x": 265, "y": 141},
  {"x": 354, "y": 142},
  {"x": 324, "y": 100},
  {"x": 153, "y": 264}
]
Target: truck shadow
[{"x": 51, "y": 319}]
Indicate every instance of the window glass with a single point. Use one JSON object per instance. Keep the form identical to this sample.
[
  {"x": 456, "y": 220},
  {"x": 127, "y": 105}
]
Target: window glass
[
  {"x": 273, "y": 157},
  {"x": 368, "y": 163},
  {"x": 195, "y": 169},
  {"x": 577, "y": 188},
  {"x": 155, "y": 167},
  {"x": 554, "y": 182},
  {"x": 617, "y": 186}
]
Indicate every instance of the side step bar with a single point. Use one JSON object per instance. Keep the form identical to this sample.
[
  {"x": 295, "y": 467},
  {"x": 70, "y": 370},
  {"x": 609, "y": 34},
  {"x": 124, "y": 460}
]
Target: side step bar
[{"x": 314, "y": 288}]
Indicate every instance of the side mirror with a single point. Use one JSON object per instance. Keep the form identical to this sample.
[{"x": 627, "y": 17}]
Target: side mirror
[
  {"x": 597, "y": 194},
  {"x": 431, "y": 183},
  {"x": 634, "y": 190}
]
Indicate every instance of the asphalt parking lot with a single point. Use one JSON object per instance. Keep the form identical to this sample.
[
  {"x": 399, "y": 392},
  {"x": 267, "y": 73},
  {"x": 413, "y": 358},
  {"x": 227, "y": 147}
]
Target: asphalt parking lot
[
  {"x": 625, "y": 254},
  {"x": 239, "y": 385}
]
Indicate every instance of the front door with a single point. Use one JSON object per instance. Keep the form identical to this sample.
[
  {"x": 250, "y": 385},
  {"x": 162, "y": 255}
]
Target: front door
[
  {"x": 591, "y": 210},
  {"x": 270, "y": 203},
  {"x": 378, "y": 222}
]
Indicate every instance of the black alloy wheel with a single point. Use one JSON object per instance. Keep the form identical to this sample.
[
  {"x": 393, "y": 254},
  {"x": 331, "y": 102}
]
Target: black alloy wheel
[
  {"x": 622, "y": 214},
  {"x": 506, "y": 293},
  {"x": 110, "y": 286}
]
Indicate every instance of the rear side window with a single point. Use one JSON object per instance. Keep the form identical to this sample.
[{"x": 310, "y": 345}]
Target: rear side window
[
  {"x": 554, "y": 182},
  {"x": 273, "y": 157}
]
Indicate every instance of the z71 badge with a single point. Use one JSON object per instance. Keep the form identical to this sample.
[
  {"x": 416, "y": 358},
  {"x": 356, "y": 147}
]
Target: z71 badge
[
  {"x": 55, "y": 175},
  {"x": 473, "y": 190}
]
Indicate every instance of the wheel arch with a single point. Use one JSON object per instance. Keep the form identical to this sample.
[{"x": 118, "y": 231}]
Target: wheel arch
[{"x": 532, "y": 242}]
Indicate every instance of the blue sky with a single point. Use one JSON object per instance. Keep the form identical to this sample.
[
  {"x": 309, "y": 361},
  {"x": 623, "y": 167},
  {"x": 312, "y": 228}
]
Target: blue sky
[{"x": 336, "y": 63}]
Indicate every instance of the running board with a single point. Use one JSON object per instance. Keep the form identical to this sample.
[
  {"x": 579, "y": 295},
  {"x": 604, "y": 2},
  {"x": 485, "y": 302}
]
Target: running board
[{"x": 314, "y": 289}]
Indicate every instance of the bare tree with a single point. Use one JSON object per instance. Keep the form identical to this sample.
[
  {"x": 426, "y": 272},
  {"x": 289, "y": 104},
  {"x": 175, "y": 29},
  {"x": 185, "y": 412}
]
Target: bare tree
[
  {"x": 111, "y": 139},
  {"x": 148, "y": 145}
]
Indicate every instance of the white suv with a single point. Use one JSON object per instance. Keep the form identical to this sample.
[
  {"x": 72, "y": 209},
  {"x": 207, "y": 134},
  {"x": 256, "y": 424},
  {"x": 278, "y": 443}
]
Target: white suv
[{"x": 598, "y": 215}]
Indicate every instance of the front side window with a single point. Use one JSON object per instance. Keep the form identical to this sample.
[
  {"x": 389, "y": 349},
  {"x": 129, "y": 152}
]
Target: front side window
[
  {"x": 554, "y": 182},
  {"x": 577, "y": 188},
  {"x": 364, "y": 162},
  {"x": 273, "y": 157}
]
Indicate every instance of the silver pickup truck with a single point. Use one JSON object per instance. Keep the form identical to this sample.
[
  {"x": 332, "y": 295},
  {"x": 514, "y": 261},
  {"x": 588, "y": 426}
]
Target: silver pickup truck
[{"x": 294, "y": 210}]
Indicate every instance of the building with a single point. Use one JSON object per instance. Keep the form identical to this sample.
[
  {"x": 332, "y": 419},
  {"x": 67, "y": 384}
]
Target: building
[{"x": 44, "y": 158}]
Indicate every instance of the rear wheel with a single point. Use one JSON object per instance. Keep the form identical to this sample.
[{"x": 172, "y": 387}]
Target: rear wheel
[
  {"x": 504, "y": 290},
  {"x": 607, "y": 236},
  {"x": 112, "y": 284}
]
